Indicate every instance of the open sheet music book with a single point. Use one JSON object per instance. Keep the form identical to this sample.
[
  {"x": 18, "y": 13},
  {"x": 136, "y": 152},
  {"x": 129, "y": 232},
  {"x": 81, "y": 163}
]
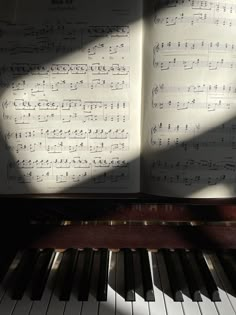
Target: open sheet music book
[{"x": 118, "y": 97}]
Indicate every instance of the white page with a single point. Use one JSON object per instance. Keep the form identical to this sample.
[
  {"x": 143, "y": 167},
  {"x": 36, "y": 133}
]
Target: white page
[
  {"x": 70, "y": 97},
  {"x": 189, "y": 100}
]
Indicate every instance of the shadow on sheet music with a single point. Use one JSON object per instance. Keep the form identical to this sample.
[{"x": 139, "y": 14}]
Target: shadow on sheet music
[{"x": 209, "y": 140}]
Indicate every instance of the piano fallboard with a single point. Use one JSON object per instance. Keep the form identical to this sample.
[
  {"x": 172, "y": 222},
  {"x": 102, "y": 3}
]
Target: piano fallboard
[{"x": 114, "y": 222}]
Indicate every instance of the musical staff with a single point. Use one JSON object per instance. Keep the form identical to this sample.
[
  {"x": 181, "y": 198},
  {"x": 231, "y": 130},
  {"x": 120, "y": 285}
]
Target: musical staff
[
  {"x": 195, "y": 62},
  {"x": 176, "y": 128},
  {"x": 25, "y": 112},
  {"x": 196, "y": 18},
  {"x": 196, "y": 165},
  {"x": 78, "y": 76},
  {"x": 194, "y": 46},
  {"x": 199, "y": 97},
  {"x": 228, "y": 90},
  {"x": 66, "y": 104},
  {"x": 95, "y": 172},
  {"x": 68, "y": 134},
  {"x": 194, "y": 54},
  {"x": 56, "y": 38},
  {"x": 210, "y": 106},
  {"x": 195, "y": 12},
  {"x": 65, "y": 69},
  {"x": 216, "y": 6},
  {"x": 167, "y": 136},
  {"x": 187, "y": 180},
  {"x": 66, "y": 141},
  {"x": 44, "y": 87},
  {"x": 190, "y": 172}
]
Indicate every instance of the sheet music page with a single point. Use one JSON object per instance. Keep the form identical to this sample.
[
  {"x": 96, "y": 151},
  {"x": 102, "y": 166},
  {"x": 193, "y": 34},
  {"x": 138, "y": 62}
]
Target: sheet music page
[
  {"x": 189, "y": 100},
  {"x": 70, "y": 96}
]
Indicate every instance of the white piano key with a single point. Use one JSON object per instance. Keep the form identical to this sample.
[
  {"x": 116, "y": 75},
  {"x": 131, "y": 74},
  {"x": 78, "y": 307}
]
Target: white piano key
[
  {"x": 189, "y": 306},
  {"x": 223, "y": 307},
  {"x": 7, "y": 305},
  {"x": 172, "y": 307},
  {"x": 73, "y": 306},
  {"x": 40, "y": 307},
  {"x": 91, "y": 306},
  {"x": 109, "y": 307},
  {"x": 23, "y": 306},
  {"x": 224, "y": 280},
  {"x": 157, "y": 307},
  {"x": 140, "y": 306},
  {"x": 207, "y": 307},
  {"x": 122, "y": 307}
]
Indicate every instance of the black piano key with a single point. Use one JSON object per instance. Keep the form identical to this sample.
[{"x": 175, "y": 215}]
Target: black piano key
[
  {"x": 23, "y": 273},
  {"x": 6, "y": 260},
  {"x": 41, "y": 273},
  {"x": 209, "y": 281},
  {"x": 93, "y": 291},
  {"x": 66, "y": 271},
  {"x": 191, "y": 277},
  {"x": 103, "y": 275},
  {"x": 146, "y": 276},
  {"x": 84, "y": 284},
  {"x": 119, "y": 273},
  {"x": 228, "y": 262},
  {"x": 129, "y": 275},
  {"x": 173, "y": 274}
]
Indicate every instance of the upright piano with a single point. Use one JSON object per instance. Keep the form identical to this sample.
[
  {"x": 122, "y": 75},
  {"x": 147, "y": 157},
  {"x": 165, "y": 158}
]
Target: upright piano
[{"x": 117, "y": 255}]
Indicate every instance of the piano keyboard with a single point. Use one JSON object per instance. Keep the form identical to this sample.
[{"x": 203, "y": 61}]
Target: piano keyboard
[{"x": 141, "y": 282}]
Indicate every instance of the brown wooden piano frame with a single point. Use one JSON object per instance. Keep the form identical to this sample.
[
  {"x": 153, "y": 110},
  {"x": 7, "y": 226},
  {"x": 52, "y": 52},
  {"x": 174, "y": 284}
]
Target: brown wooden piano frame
[{"x": 117, "y": 221}]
